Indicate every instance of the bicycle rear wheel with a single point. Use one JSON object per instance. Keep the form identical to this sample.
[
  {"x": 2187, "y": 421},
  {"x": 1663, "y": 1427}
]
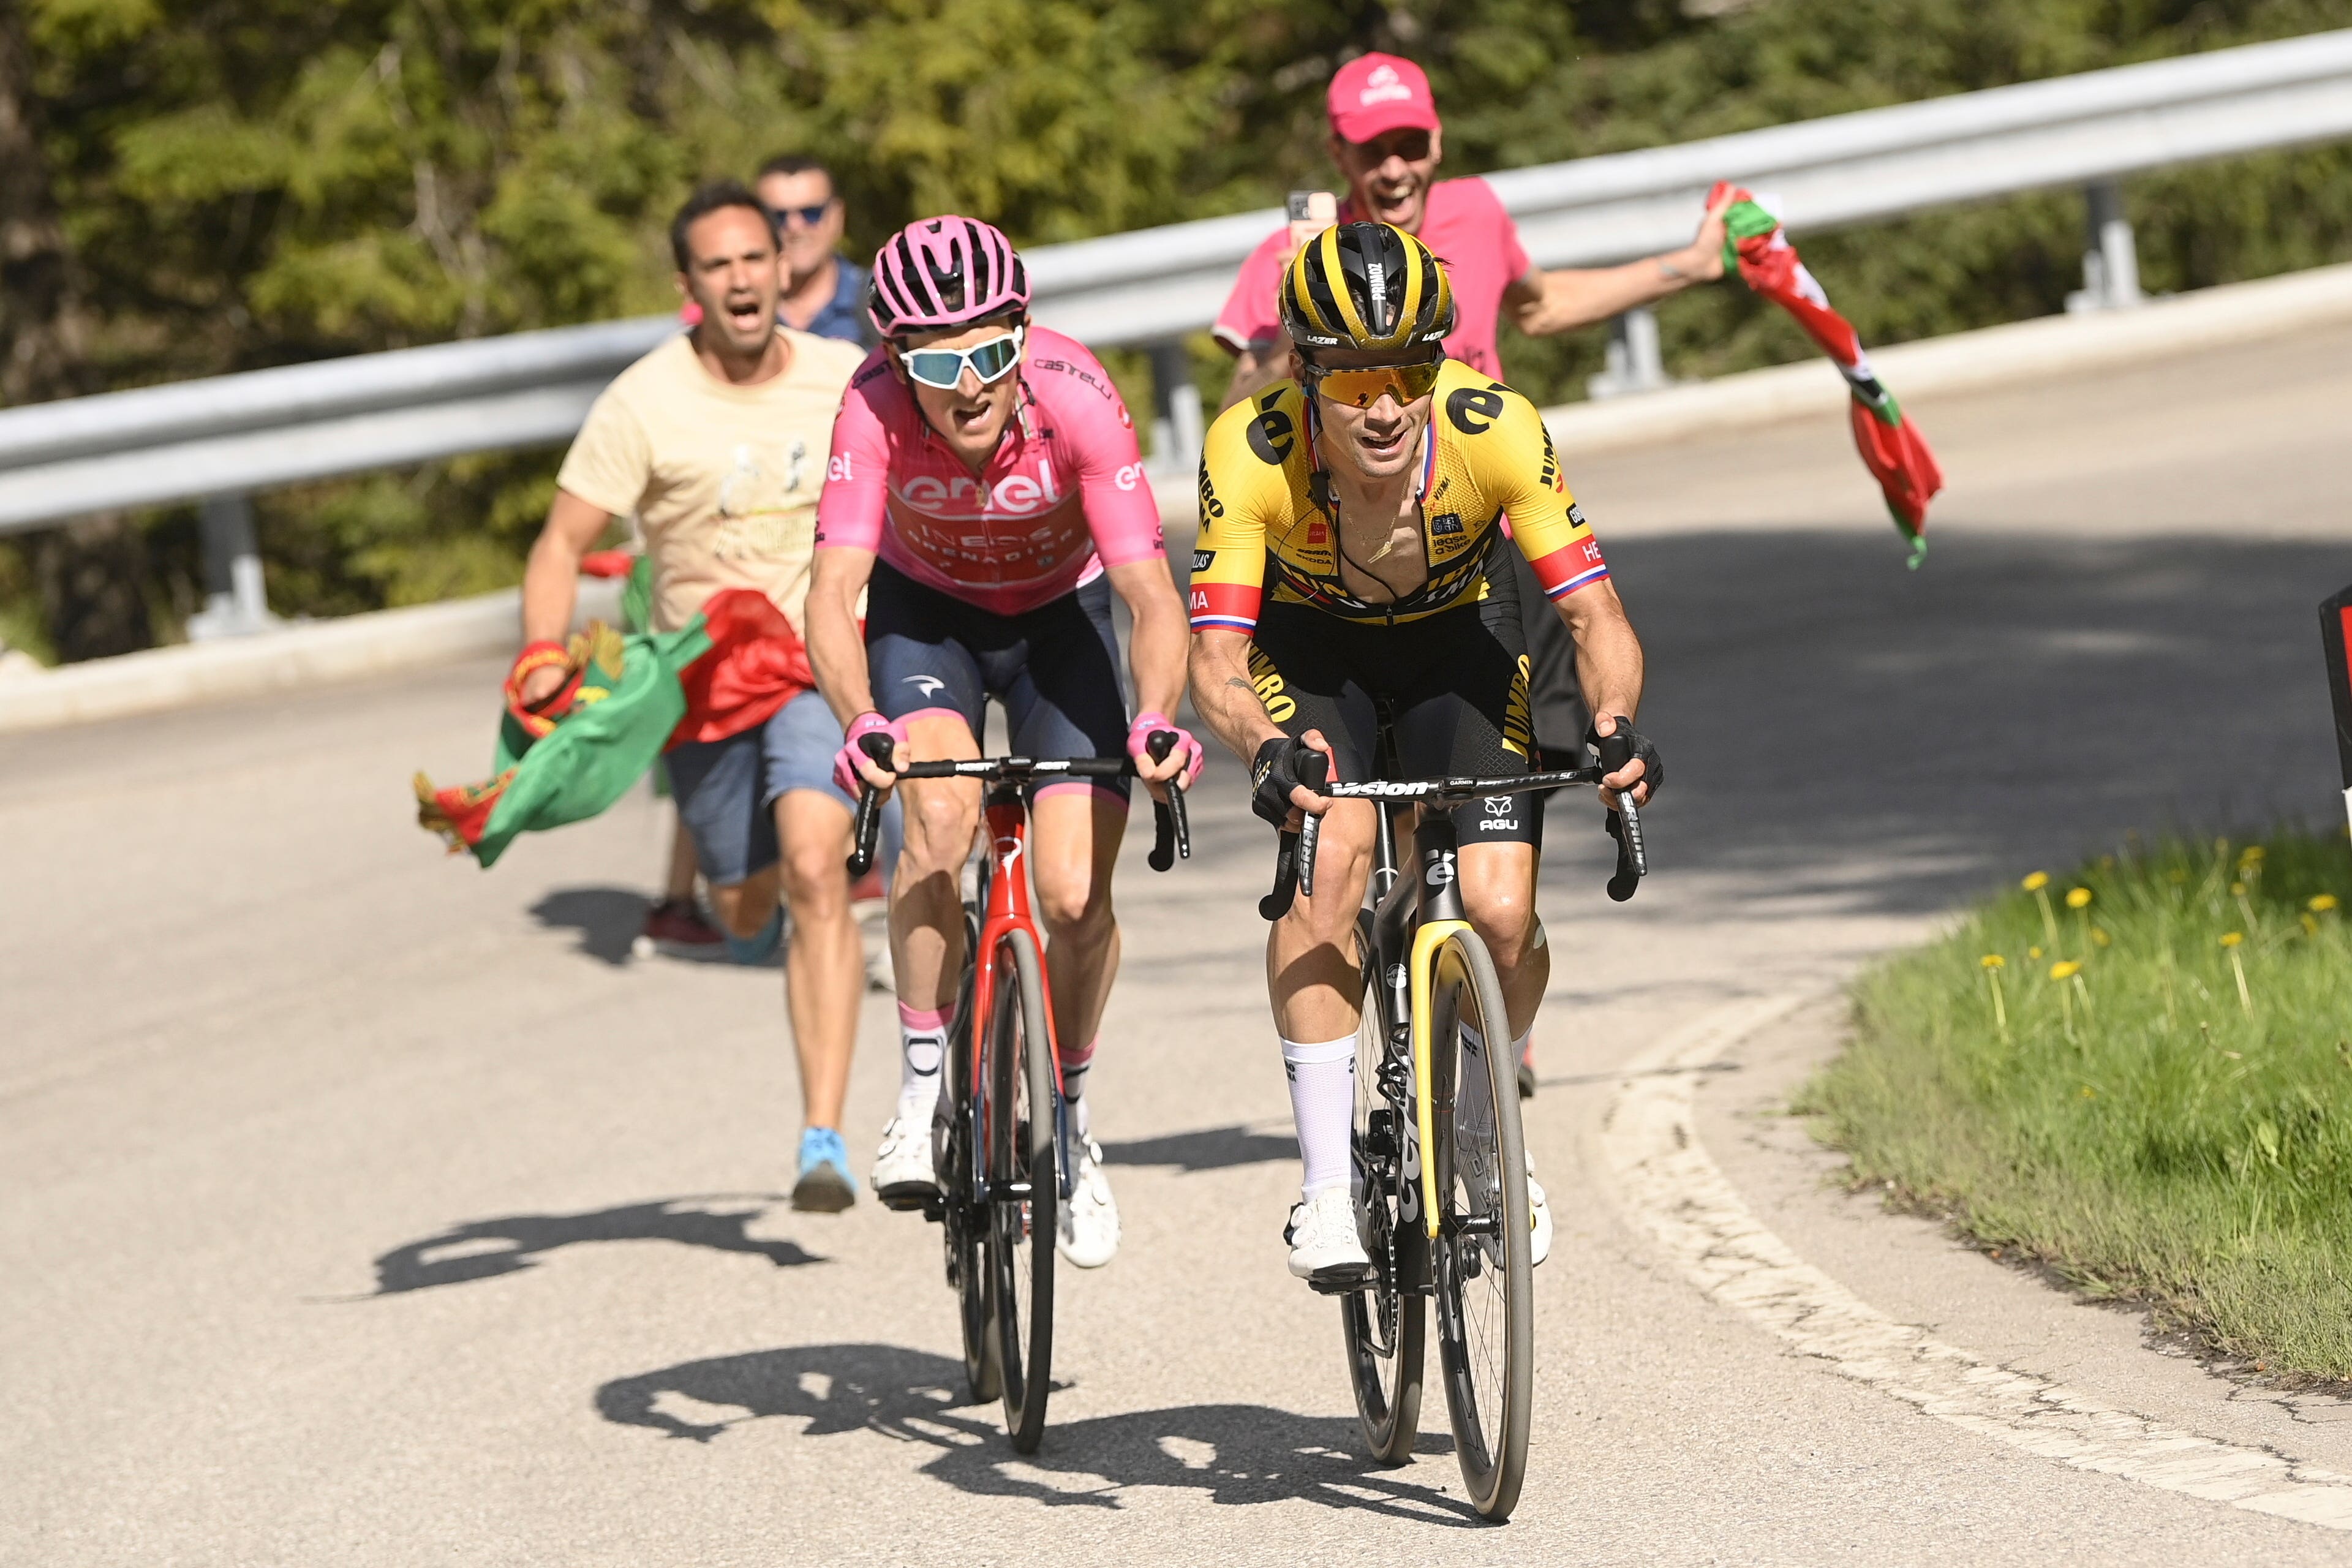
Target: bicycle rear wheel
[
  {"x": 1485, "y": 1298},
  {"x": 1023, "y": 1186},
  {"x": 1383, "y": 1326}
]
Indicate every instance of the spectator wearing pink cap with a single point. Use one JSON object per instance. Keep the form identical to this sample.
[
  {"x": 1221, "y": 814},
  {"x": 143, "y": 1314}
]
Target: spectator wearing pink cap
[{"x": 1387, "y": 141}]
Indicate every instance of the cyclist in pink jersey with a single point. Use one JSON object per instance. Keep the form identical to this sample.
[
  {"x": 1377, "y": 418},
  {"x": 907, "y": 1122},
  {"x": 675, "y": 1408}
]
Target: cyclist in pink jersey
[{"x": 986, "y": 496}]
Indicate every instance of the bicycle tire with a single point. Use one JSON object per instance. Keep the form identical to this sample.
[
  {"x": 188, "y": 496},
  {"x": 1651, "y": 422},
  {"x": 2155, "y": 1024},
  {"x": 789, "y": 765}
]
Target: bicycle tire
[
  {"x": 1485, "y": 1282},
  {"x": 1022, "y": 1148},
  {"x": 964, "y": 1219},
  {"x": 1384, "y": 1328}
]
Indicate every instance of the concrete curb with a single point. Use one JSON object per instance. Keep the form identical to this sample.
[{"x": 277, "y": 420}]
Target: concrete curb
[
  {"x": 1965, "y": 362},
  {"x": 306, "y": 654},
  {"x": 2021, "y": 352}
]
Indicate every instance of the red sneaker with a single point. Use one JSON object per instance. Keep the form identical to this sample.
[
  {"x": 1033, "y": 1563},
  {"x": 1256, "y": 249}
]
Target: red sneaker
[{"x": 676, "y": 925}]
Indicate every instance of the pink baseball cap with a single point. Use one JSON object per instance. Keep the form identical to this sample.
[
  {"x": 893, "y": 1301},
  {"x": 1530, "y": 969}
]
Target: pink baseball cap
[{"x": 1374, "y": 94}]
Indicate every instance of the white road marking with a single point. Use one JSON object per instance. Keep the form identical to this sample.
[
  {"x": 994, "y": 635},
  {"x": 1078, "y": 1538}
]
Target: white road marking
[{"x": 1652, "y": 1145}]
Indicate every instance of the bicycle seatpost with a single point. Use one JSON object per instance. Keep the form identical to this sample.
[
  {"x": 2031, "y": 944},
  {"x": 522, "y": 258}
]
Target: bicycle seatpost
[{"x": 869, "y": 808}]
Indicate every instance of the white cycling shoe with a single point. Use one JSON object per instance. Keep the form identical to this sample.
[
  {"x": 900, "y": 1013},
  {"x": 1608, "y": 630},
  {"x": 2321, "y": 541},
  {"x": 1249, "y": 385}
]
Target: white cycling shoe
[
  {"x": 1325, "y": 1249},
  {"x": 903, "y": 1177},
  {"x": 1088, "y": 1222},
  {"x": 1539, "y": 1213}
]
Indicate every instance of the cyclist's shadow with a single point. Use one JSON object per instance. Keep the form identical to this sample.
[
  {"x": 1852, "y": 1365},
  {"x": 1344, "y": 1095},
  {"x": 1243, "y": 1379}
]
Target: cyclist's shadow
[
  {"x": 484, "y": 1249},
  {"x": 1235, "y": 1453}
]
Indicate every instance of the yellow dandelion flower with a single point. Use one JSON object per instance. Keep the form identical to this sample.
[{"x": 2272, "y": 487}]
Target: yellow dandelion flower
[
  {"x": 2033, "y": 952},
  {"x": 2036, "y": 882},
  {"x": 2067, "y": 970},
  {"x": 2232, "y": 938},
  {"x": 2078, "y": 898},
  {"x": 2322, "y": 903},
  {"x": 1993, "y": 960},
  {"x": 2237, "y": 890},
  {"x": 2252, "y": 855}
]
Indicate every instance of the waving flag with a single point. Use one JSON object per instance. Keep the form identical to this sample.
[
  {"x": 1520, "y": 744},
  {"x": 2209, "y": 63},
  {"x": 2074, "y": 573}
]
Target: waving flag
[
  {"x": 2335, "y": 638},
  {"x": 1891, "y": 446},
  {"x": 623, "y": 702}
]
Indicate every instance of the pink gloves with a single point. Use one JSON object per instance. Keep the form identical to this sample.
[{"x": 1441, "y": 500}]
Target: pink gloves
[
  {"x": 846, "y": 776},
  {"x": 1139, "y": 737}
]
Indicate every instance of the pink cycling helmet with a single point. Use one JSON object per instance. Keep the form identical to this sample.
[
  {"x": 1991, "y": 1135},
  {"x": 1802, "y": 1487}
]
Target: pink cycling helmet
[{"x": 944, "y": 272}]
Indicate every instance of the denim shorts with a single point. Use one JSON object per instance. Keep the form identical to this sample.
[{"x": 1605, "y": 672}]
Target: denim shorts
[{"x": 727, "y": 790}]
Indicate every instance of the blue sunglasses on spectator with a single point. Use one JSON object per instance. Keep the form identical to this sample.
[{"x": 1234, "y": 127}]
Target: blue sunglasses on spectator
[
  {"x": 943, "y": 368},
  {"x": 810, "y": 217}
]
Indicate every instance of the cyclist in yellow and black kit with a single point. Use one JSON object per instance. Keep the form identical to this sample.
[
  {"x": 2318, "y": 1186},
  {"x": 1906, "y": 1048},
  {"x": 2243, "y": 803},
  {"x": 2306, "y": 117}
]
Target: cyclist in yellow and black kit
[{"x": 1348, "y": 573}]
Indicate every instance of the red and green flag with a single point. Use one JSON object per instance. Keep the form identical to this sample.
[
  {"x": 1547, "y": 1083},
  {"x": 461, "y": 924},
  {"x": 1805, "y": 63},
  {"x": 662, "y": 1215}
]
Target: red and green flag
[
  {"x": 624, "y": 699},
  {"x": 1892, "y": 448}
]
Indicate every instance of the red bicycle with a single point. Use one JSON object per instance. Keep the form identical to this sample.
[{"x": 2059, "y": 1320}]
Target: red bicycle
[{"x": 1001, "y": 1139}]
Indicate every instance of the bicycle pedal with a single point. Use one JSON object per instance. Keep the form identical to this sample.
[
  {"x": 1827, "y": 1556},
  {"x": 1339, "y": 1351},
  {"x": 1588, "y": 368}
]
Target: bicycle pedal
[
  {"x": 909, "y": 1196},
  {"x": 1342, "y": 1281}
]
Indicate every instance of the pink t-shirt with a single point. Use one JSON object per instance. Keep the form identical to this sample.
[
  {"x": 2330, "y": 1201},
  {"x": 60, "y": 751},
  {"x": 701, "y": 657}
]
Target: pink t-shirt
[
  {"x": 1062, "y": 495},
  {"x": 1464, "y": 223}
]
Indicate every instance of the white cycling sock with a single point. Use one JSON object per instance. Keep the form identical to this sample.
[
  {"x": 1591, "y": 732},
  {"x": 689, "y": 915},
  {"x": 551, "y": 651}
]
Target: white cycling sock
[
  {"x": 1322, "y": 1108},
  {"x": 922, "y": 1046}
]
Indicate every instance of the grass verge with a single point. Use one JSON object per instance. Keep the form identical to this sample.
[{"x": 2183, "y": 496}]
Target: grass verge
[{"x": 2141, "y": 1076}]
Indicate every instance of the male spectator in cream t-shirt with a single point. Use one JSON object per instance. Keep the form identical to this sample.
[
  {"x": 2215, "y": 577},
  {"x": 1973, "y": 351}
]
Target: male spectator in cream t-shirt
[{"x": 716, "y": 441}]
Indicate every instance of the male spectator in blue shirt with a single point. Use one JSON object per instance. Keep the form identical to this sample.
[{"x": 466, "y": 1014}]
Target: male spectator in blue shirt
[{"x": 824, "y": 292}]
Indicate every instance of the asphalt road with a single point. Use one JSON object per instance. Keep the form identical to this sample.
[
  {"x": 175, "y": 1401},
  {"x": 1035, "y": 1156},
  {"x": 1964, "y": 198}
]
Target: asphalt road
[{"x": 358, "y": 1208}]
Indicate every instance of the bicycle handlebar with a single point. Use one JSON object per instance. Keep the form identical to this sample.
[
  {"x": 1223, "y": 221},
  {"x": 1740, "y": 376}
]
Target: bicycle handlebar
[
  {"x": 1171, "y": 830},
  {"x": 1294, "y": 856}
]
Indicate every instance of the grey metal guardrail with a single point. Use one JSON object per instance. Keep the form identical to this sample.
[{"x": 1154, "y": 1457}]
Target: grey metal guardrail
[{"x": 219, "y": 440}]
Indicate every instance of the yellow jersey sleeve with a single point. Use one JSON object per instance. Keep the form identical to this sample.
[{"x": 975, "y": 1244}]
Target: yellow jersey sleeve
[
  {"x": 1244, "y": 493},
  {"x": 1522, "y": 473}
]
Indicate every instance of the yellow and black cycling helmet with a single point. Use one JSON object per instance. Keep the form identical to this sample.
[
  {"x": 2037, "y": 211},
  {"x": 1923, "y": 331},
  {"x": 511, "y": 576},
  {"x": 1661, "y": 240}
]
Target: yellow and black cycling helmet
[{"x": 1366, "y": 286}]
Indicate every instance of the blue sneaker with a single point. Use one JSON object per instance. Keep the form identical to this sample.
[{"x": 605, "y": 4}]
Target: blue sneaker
[
  {"x": 758, "y": 950},
  {"x": 824, "y": 1185}
]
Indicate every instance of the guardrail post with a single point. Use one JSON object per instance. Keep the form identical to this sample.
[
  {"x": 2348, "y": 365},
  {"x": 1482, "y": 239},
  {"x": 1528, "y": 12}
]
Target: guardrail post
[
  {"x": 1176, "y": 422},
  {"x": 235, "y": 602},
  {"x": 2110, "y": 258},
  {"x": 1634, "y": 362}
]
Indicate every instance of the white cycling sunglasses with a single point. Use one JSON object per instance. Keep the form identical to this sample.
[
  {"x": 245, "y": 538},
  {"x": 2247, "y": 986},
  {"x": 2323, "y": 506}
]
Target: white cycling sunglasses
[{"x": 943, "y": 368}]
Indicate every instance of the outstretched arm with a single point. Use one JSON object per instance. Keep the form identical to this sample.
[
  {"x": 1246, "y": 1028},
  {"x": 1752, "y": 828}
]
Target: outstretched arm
[
  {"x": 1155, "y": 651},
  {"x": 550, "y": 580},
  {"x": 836, "y": 648},
  {"x": 1225, "y": 697},
  {"x": 1543, "y": 303}
]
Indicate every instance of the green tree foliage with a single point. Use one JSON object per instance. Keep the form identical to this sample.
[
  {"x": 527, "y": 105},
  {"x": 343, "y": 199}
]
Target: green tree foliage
[{"x": 244, "y": 182}]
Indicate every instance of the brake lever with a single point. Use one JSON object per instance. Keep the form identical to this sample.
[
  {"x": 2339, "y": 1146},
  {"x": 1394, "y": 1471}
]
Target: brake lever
[
  {"x": 1170, "y": 830},
  {"x": 869, "y": 807}
]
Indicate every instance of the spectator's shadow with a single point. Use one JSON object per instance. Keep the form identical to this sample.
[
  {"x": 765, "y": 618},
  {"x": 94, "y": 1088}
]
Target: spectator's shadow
[
  {"x": 1210, "y": 1148},
  {"x": 484, "y": 1248},
  {"x": 1234, "y": 1453},
  {"x": 607, "y": 919}
]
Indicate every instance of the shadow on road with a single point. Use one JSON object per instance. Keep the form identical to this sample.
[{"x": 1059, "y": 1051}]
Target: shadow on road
[
  {"x": 484, "y": 1248},
  {"x": 1232, "y": 1453},
  {"x": 607, "y": 919},
  {"x": 1881, "y": 741},
  {"x": 1210, "y": 1148}
]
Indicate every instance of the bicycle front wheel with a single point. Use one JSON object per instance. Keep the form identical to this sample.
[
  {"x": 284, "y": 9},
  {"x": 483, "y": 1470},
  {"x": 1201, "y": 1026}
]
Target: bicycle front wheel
[
  {"x": 1023, "y": 1187},
  {"x": 964, "y": 1208},
  {"x": 1383, "y": 1325},
  {"x": 1484, "y": 1263}
]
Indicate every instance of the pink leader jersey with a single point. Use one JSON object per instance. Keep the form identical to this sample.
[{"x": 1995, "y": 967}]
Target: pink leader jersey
[
  {"x": 1062, "y": 495},
  {"x": 1464, "y": 223}
]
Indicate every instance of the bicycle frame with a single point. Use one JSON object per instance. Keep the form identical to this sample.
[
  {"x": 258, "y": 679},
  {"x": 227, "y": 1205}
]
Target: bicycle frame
[
  {"x": 1430, "y": 906},
  {"x": 1004, "y": 908}
]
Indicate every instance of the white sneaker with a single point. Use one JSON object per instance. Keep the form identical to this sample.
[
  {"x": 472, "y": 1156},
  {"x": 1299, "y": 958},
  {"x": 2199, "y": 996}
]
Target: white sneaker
[
  {"x": 903, "y": 1177},
  {"x": 1325, "y": 1249},
  {"x": 1539, "y": 1213},
  {"x": 1089, "y": 1220}
]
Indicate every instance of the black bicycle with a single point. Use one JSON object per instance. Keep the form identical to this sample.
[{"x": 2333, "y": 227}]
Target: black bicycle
[
  {"x": 1001, "y": 1143},
  {"x": 1440, "y": 1164}
]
